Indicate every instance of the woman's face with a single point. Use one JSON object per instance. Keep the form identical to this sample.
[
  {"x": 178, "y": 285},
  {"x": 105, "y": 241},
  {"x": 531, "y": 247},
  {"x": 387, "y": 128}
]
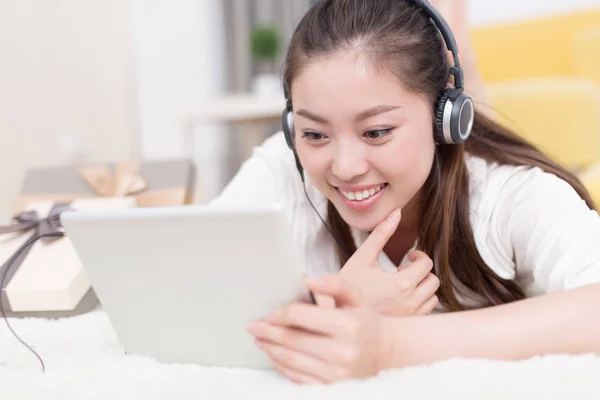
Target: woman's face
[{"x": 365, "y": 142}]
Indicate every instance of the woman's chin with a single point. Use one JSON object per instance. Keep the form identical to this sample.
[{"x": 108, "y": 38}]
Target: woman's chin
[
  {"x": 365, "y": 226},
  {"x": 366, "y": 222}
]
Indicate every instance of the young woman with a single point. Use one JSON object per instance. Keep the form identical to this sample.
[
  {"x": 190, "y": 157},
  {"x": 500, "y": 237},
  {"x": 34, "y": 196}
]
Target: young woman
[{"x": 495, "y": 238}]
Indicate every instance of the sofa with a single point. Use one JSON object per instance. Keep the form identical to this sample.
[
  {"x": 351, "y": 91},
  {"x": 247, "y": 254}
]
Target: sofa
[{"x": 543, "y": 81}]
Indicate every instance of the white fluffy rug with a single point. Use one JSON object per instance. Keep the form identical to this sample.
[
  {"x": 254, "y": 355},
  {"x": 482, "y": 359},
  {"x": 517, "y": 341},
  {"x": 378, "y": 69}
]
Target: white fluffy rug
[{"x": 84, "y": 360}]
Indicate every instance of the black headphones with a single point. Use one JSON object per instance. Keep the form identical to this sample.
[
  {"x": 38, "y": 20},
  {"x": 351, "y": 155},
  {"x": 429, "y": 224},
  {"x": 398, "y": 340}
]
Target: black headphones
[{"x": 454, "y": 113}]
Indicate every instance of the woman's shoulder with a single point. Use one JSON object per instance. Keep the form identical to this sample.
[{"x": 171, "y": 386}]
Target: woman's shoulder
[
  {"x": 276, "y": 153},
  {"x": 270, "y": 175},
  {"x": 500, "y": 194},
  {"x": 274, "y": 150},
  {"x": 494, "y": 185},
  {"x": 487, "y": 181}
]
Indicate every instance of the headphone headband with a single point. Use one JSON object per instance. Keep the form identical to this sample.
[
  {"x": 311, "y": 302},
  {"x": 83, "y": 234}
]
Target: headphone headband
[{"x": 448, "y": 36}]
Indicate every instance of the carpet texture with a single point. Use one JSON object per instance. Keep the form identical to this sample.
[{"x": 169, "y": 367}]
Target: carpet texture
[{"x": 84, "y": 360}]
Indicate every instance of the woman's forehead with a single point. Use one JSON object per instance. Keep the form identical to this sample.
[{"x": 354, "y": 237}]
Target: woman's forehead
[{"x": 346, "y": 78}]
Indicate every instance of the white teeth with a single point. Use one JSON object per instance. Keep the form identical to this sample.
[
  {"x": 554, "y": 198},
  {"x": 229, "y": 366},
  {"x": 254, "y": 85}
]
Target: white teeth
[{"x": 365, "y": 194}]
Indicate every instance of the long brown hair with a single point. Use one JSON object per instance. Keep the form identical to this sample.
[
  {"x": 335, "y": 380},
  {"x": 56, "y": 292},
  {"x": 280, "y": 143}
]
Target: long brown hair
[{"x": 397, "y": 38}]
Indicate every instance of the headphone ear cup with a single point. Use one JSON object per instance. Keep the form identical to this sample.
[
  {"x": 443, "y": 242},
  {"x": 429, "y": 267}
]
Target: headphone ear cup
[
  {"x": 454, "y": 119},
  {"x": 440, "y": 135},
  {"x": 287, "y": 125},
  {"x": 462, "y": 118}
]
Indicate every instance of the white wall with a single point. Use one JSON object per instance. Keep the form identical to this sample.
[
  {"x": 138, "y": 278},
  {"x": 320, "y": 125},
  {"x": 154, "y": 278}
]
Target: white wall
[
  {"x": 484, "y": 12},
  {"x": 65, "y": 85},
  {"x": 103, "y": 80},
  {"x": 180, "y": 60}
]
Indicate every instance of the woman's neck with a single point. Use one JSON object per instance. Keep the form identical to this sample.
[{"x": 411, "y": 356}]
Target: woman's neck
[
  {"x": 399, "y": 245},
  {"x": 406, "y": 234}
]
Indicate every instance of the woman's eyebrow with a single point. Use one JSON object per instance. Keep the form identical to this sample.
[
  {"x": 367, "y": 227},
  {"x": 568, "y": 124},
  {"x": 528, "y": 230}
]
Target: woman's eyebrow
[
  {"x": 368, "y": 113},
  {"x": 371, "y": 112}
]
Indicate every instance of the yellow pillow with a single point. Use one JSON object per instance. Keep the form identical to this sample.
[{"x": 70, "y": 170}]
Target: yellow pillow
[
  {"x": 590, "y": 178},
  {"x": 560, "y": 115},
  {"x": 586, "y": 53},
  {"x": 538, "y": 47}
]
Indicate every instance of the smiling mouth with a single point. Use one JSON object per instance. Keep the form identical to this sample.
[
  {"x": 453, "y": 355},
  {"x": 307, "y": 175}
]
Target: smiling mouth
[{"x": 363, "y": 194}]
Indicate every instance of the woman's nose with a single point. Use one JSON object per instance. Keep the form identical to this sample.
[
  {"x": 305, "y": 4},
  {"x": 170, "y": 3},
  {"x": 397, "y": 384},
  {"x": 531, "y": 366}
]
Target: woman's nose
[{"x": 349, "y": 164}]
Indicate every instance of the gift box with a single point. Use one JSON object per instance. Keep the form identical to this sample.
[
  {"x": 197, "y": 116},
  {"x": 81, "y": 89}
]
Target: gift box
[
  {"x": 159, "y": 183},
  {"x": 39, "y": 268}
]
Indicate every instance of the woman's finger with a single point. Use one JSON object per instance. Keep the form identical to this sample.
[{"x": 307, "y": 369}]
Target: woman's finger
[
  {"x": 417, "y": 271},
  {"x": 428, "y": 286},
  {"x": 424, "y": 291},
  {"x": 368, "y": 252},
  {"x": 292, "y": 360},
  {"x": 308, "y": 317},
  {"x": 314, "y": 345},
  {"x": 324, "y": 301},
  {"x": 428, "y": 306},
  {"x": 336, "y": 287}
]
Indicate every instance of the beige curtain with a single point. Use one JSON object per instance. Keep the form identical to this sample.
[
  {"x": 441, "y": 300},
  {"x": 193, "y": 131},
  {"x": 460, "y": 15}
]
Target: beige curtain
[{"x": 240, "y": 17}]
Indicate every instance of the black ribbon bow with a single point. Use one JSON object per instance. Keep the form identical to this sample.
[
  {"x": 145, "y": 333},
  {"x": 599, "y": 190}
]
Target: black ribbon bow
[{"x": 46, "y": 229}]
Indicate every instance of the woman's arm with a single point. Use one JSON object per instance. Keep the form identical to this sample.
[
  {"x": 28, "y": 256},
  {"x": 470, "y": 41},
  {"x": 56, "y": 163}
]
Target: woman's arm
[
  {"x": 538, "y": 221},
  {"x": 310, "y": 344},
  {"x": 542, "y": 224},
  {"x": 567, "y": 322}
]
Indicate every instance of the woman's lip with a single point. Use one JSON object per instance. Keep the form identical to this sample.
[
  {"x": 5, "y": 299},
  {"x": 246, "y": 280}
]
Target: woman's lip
[{"x": 363, "y": 205}]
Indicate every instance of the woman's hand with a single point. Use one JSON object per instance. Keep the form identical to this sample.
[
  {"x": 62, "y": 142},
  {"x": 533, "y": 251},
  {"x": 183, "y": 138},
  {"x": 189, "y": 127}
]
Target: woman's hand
[
  {"x": 312, "y": 344},
  {"x": 409, "y": 291}
]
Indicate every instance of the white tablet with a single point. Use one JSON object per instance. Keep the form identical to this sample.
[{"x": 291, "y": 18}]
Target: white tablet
[{"x": 180, "y": 284}]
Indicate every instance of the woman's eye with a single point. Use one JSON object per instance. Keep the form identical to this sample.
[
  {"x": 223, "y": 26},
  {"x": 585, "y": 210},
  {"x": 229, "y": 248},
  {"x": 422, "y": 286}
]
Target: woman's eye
[
  {"x": 313, "y": 136},
  {"x": 377, "y": 134}
]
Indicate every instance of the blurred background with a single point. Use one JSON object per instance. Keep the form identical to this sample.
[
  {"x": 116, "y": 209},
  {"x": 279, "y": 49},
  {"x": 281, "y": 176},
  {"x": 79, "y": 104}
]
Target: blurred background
[{"x": 84, "y": 82}]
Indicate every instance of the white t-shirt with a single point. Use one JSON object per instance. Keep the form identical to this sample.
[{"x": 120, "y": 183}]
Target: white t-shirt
[{"x": 528, "y": 225}]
